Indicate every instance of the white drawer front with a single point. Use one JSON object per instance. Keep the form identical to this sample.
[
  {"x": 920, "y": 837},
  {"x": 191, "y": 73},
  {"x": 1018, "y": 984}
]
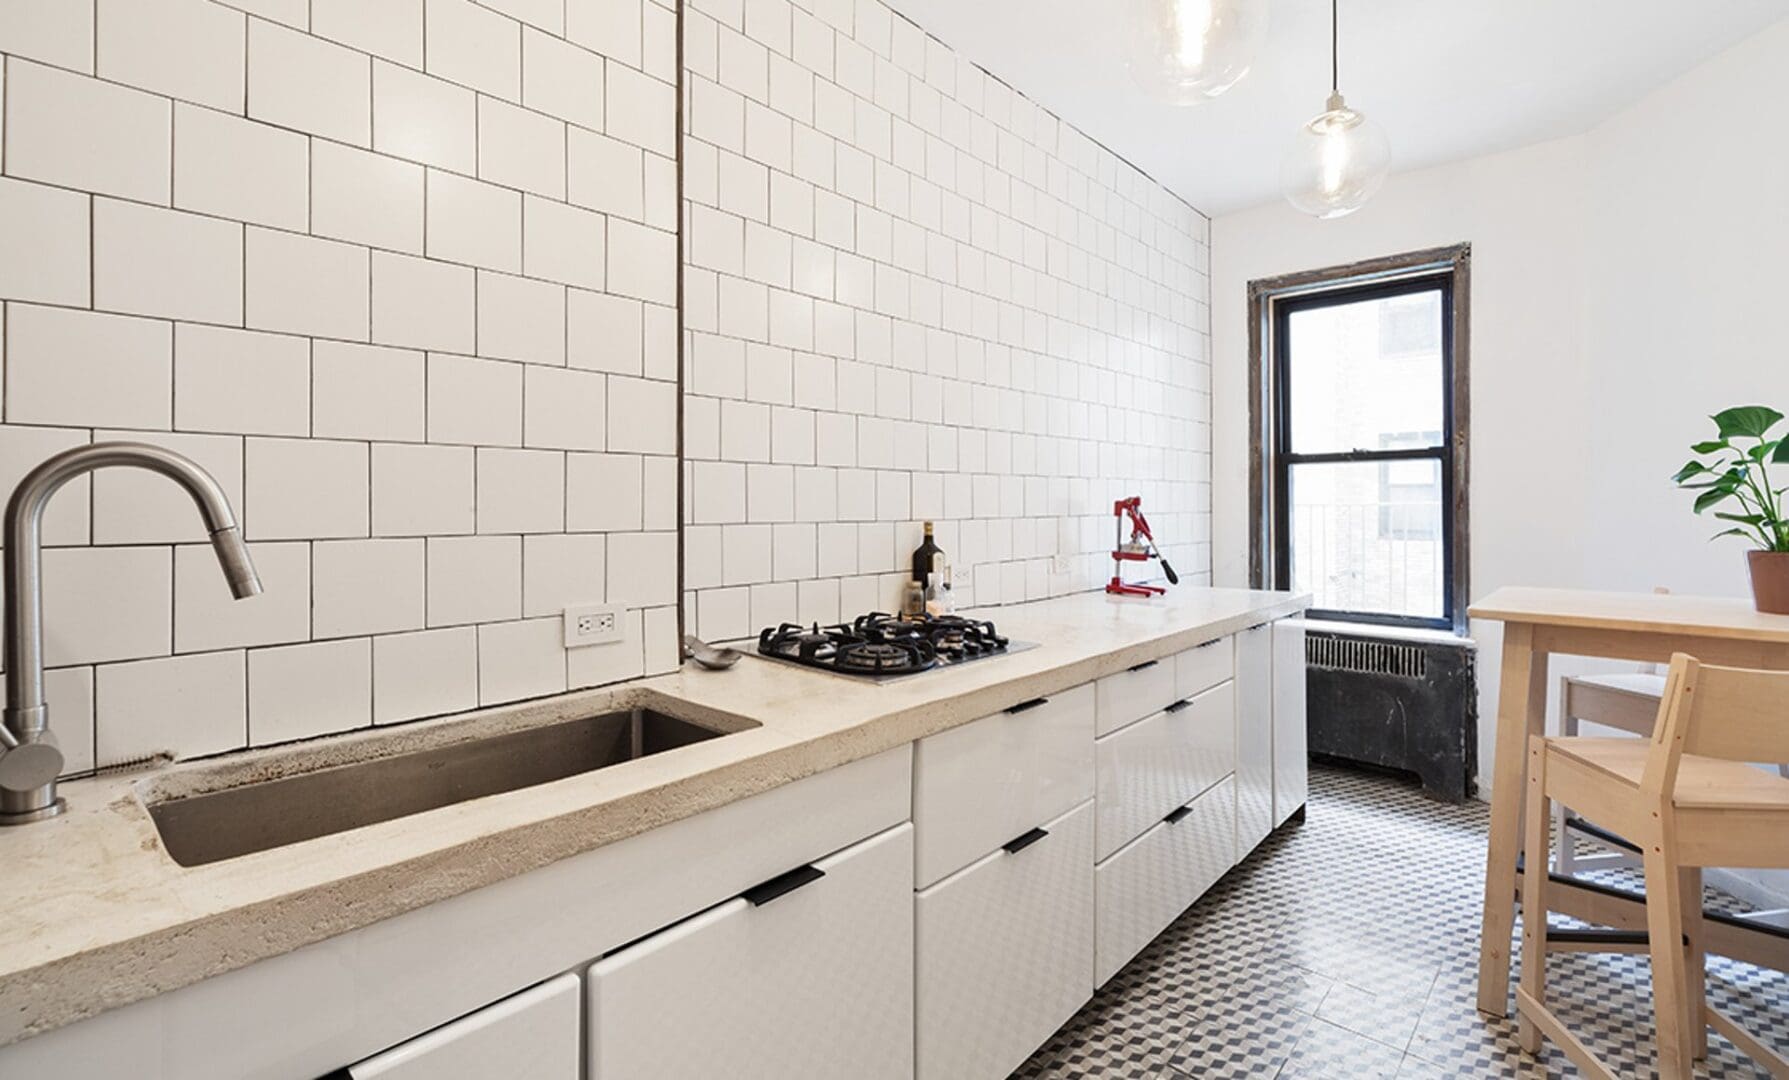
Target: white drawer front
[
  {"x": 1204, "y": 666},
  {"x": 816, "y": 982},
  {"x": 1129, "y": 696},
  {"x": 977, "y": 786},
  {"x": 1151, "y": 767},
  {"x": 1147, "y": 885},
  {"x": 535, "y": 1035},
  {"x": 1005, "y": 953}
]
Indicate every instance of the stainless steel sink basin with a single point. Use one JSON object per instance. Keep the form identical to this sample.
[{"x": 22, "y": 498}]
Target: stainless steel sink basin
[{"x": 215, "y": 825}]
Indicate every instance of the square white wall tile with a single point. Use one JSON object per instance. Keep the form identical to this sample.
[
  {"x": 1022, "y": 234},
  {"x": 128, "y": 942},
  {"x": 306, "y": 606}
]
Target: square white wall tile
[
  {"x": 165, "y": 263},
  {"x": 134, "y": 506},
  {"x": 48, "y": 253},
  {"x": 192, "y": 50},
  {"x": 367, "y": 392},
  {"x": 239, "y": 381},
  {"x": 603, "y": 492},
  {"x": 423, "y": 490},
  {"x": 474, "y": 579},
  {"x": 560, "y": 570},
  {"x": 187, "y": 706},
  {"x": 305, "y": 489},
  {"x": 207, "y": 616},
  {"x": 308, "y": 84},
  {"x": 106, "y": 603},
  {"x": 424, "y": 119},
  {"x": 521, "y": 491},
  {"x": 474, "y": 401},
  {"x": 301, "y": 691},
  {"x": 305, "y": 285},
  {"x": 565, "y": 408},
  {"x": 520, "y": 660},
  {"x": 430, "y": 673},
  {"x": 367, "y": 587},
  {"x": 79, "y": 132},
  {"x": 366, "y": 198},
  {"x": 72, "y": 367}
]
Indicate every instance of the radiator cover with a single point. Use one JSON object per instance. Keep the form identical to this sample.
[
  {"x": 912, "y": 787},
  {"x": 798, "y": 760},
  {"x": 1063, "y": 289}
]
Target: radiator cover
[{"x": 1410, "y": 706}]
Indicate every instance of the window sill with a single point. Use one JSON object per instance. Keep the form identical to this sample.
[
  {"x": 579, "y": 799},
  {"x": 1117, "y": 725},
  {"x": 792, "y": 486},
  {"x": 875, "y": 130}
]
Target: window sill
[{"x": 1391, "y": 633}]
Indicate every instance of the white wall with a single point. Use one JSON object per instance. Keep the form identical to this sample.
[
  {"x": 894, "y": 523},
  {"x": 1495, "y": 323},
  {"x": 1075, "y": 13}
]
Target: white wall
[
  {"x": 407, "y": 295},
  {"x": 1625, "y": 284},
  {"x": 913, "y": 294}
]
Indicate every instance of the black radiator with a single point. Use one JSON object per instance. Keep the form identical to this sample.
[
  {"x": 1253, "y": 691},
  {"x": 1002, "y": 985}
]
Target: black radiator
[{"x": 1406, "y": 705}]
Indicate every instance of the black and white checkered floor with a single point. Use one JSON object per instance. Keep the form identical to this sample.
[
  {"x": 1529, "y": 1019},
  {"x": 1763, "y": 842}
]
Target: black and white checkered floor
[{"x": 1346, "y": 948}]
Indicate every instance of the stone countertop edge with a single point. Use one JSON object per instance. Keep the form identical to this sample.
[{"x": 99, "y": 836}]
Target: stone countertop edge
[{"x": 100, "y": 916}]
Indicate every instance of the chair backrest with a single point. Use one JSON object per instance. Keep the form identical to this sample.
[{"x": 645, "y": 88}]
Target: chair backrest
[{"x": 1737, "y": 714}]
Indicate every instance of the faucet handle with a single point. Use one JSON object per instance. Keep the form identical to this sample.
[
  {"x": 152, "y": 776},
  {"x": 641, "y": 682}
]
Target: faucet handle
[{"x": 29, "y": 767}]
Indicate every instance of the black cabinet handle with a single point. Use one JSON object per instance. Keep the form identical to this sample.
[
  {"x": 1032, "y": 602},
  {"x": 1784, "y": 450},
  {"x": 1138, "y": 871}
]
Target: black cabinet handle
[
  {"x": 1208, "y": 644},
  {"x": 783, "y": 885},
  {"x": 1176, "y": 814},
  {"x": 1021, "y": 842},
  {"x": 1025, "y": 706},
  {"x": 1143, "y": 665},
  {"x": 1179, "y": 705}
]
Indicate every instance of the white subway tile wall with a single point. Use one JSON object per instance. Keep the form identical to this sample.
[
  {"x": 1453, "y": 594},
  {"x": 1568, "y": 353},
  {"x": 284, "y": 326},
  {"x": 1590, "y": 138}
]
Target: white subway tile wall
[
  {"x": 400, "y": 275},
  {"x": 913, "y": 294}
]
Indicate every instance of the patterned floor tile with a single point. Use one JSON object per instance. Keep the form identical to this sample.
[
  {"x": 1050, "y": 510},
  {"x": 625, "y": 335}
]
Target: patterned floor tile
[{"x": 1347, "y": 947}]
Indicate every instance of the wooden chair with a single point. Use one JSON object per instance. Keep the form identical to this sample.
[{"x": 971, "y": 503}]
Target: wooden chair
[{"x": 1689, "y": 799}]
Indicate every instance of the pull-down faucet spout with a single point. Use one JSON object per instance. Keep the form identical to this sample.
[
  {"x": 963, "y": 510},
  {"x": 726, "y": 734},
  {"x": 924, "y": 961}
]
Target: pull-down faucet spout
[{"x": 29, "y": 758}]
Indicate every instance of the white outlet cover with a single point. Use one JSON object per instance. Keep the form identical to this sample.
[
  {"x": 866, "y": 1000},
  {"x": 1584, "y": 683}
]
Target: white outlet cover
[{"x": 594, "y": 624}]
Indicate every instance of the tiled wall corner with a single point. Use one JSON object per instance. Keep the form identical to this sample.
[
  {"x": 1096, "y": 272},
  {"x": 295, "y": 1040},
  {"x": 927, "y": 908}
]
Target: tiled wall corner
[
  {"x": 913, "y": 294},
  {"x": 401, "y": 275}
]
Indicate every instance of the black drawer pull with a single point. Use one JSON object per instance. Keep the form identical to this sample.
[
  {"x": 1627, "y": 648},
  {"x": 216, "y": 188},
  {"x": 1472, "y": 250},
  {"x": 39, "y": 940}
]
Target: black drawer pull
[
  {"x": 1026, "y": 706},
  {"x": 1145, "y": 664},
  {"x": 1023, "y": 841},
  {"x": 782, "y": 885},
  {"x": 1176, "y": 814},
  {"x": 1208, "y": 644},
  {"x": 1179, "y": 705}
]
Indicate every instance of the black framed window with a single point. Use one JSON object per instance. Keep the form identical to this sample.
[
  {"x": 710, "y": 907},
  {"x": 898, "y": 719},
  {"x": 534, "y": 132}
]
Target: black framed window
[{"x": 1361, "y": 451}]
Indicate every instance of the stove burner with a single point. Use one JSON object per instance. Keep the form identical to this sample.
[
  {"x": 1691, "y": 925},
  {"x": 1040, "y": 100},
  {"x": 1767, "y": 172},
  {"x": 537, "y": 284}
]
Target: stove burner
[{"x": 882, "y": 644}]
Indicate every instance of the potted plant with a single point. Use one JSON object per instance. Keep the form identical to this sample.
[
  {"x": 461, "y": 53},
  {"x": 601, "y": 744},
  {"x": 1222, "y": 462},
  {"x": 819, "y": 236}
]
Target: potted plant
[{"x": 1733, "y": 471}]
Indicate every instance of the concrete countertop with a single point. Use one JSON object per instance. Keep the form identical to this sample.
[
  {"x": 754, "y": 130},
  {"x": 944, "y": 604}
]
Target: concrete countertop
[{"x": 97, "y": 915}]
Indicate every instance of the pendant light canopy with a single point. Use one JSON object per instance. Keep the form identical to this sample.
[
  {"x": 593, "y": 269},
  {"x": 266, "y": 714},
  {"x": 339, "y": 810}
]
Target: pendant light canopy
[
  {"x": 1187, "y": 51},
  {"x": 1340, "y": 158}
]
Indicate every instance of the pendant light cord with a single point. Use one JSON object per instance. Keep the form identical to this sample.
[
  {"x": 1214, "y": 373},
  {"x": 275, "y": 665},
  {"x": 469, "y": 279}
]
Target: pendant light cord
[{"x": 1335, "y": 63}]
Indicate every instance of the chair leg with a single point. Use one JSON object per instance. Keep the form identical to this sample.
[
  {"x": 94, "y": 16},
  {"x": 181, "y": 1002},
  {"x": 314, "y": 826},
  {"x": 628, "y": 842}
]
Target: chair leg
[
  {"x": 1534, "y": 895},
  {"x": 1664, "y": 929},
  {"x": 1695, "y": 998},
  {"x": 1565, "y": 861}
]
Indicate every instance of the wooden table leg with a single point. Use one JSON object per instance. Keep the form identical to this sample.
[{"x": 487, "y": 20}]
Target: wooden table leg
[{"x": 1521, "y": 712}]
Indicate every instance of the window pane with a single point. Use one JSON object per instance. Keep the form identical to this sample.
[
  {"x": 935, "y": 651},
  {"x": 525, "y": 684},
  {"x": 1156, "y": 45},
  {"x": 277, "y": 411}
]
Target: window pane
[
  {"x": 1367, "y": 536},
  {"x": 1366, "y": 375}
]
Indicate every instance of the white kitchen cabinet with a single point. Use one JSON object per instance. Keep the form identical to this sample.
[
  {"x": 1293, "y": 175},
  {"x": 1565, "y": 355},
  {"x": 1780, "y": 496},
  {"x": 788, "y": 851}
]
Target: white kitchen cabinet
[
  {"x": 1291, "y": 759},
  {"x": 979, "y": 785},
  {"x": 1145, "y": 886},
  {"x": 534, "y": 1035},
  {"x": 1005, "y": 952},
  {"x": 811, "y": 975},
  {"x": 1157, "y": 764},
  {"x": 1254, "y": 738},
  {"x": 1202, "y": 667},
  {"x": 1132, "y": 694}
]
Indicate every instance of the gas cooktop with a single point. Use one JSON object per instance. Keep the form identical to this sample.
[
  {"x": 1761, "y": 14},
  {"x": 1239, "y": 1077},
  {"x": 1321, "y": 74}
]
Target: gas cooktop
[{"x": 879, "y": 645}]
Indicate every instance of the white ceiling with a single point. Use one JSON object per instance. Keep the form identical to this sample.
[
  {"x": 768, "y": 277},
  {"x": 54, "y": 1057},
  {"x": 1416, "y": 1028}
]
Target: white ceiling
[{"x": 1448, "y": 79}]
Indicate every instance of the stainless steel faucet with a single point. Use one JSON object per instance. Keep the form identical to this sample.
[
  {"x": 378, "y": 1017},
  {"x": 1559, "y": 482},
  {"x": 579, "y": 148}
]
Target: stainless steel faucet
[{"x": 30, "y": 761}]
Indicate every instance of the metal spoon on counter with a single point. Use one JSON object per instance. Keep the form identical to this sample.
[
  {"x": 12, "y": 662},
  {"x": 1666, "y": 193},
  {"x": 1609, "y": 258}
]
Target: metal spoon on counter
[{"x": 714, "y": 658}]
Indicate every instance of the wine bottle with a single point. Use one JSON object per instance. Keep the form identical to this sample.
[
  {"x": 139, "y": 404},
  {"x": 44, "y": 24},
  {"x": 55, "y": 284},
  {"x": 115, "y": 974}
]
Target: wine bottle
[{"x": 928, "y": 558}]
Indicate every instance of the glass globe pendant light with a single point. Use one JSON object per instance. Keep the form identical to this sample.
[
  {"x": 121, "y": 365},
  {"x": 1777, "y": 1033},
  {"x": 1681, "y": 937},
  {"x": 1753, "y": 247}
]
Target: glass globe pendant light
[
  {"x": 1340, "y": 158},
  {"x": 1187, "y": 51}
]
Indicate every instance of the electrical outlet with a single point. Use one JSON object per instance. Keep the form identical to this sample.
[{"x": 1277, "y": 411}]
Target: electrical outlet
[
  {"x": 593, "y": 624},
  {"x": 1062, "y": 565}
]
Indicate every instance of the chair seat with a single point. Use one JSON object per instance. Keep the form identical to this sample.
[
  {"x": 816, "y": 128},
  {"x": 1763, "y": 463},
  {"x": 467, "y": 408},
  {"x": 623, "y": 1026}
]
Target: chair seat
[
  {"x": 1638, "y": 683},
  {"x": 1702, "y": 783}
]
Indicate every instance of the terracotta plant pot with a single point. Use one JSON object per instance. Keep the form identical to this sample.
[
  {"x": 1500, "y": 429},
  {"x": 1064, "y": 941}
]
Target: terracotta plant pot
[{"x": 1770, "y": 581}]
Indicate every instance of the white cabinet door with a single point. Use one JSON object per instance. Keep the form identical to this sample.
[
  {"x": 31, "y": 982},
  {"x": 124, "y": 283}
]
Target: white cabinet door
[
  {"x": 1144, "y": 887},
  {"x": 532, "y": 1036},
  {"x": 814, "y": 980},
  {"x": 1291, "y": 764},
  {"x": 1254, "y": 737},
  {"x": 1005, "y": 952},
  {"x": 1202, "y": 667},
  {"x": 1151, "y": 767},
  {"x": 979, "y": 785}
]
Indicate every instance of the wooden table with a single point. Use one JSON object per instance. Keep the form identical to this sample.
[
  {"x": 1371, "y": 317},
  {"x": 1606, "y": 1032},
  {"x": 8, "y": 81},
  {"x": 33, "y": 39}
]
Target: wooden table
[{"x": 1646, "y": 627}]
